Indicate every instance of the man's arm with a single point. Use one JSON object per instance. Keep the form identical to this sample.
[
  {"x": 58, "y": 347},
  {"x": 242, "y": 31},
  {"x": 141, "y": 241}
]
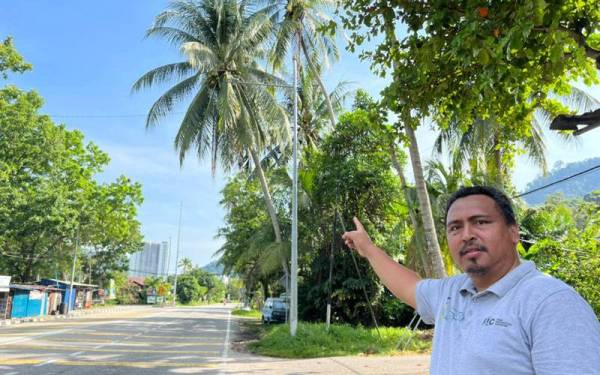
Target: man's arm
[{"x": 398, "y": 279}]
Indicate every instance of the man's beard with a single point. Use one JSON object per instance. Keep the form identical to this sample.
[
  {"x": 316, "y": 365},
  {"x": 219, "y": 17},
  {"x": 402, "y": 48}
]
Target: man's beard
[
  {"x": 476, "y": 270},
  {"x": 473, "y": 268}
]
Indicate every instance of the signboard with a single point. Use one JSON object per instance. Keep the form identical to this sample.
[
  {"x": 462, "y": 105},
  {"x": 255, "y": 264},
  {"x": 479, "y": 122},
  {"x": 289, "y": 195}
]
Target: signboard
[
  {"x": 35, "y": 294},
  {"x": 151, "y": 299},
  {"x": 4, "y": 283}
]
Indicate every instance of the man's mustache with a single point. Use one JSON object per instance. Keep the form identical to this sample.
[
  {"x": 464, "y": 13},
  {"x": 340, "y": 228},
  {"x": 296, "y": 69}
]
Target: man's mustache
[{"x": 470, "y": 246}]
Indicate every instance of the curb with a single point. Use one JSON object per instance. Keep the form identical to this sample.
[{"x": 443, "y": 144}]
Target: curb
[{"x": 75, "y": 314}]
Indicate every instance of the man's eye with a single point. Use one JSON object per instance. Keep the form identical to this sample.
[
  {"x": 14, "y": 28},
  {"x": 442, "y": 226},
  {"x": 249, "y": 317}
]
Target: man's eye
[{"x": 481, "y": 222}]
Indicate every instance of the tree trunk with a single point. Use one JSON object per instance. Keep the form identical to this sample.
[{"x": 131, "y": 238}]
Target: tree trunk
[
  {"x": 434, "y": 255},
  {"x": 411, "y": 213},
  {"x": 319, "y": 81},
  {"x": 269, "y": 203}
]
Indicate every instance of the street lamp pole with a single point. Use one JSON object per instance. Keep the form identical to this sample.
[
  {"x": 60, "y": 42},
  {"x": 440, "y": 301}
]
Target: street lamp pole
[
  {"x": 294, "y": 271},
  {"x": 73, "y": 276}
]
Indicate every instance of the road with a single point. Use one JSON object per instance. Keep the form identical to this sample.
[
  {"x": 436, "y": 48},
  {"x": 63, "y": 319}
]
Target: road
[
  {"x": 146, "y": 340},
  {"x": 165, "y": 341}
]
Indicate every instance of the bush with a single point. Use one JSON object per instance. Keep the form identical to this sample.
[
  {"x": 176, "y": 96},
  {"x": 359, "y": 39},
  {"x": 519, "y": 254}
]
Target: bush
[{"x": 312, "y": 340}]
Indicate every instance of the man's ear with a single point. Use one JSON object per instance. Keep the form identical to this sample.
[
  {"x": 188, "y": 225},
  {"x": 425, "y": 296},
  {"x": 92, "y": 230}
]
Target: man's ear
[{"x": 514, "y": 233}]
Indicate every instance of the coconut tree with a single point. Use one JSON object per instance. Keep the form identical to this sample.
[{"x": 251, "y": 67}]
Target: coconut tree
[
  {"x": 232, "y": 113},
  {"x": 298, "y": 30},
  {"x": 479, "y": 147}
]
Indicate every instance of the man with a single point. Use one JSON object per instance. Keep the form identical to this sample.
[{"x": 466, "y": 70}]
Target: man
[{"x": 502, "y": 316}]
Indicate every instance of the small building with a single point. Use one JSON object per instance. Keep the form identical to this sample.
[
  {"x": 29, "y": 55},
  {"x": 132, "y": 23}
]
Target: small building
[
  {"x": 80, "y": 298},
  {"x": 4, "y": 297},
  {"x": 29, "y": 301}
]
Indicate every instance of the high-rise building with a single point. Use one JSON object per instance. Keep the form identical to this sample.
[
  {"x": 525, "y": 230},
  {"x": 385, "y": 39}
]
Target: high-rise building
[{"x": 151, "y": 260}]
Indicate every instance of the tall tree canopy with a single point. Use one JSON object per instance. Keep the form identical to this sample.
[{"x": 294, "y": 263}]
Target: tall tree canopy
[
  {"x": 49, "y": 200},
  {"x": 469, "y": 60}
]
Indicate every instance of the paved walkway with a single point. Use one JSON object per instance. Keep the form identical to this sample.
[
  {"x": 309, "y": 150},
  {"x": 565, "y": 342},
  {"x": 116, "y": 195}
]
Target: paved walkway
[{"x": 371, "y": 365}]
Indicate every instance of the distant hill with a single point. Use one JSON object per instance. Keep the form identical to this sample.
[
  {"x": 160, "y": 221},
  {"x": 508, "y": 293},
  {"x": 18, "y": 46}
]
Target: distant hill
[
  {"x": 576, "y": 187},
  {"x": 213, "y": 267}
]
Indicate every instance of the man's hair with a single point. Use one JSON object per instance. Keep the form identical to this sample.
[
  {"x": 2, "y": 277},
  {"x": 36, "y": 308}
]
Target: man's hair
[{"x": 502, "y": 201}]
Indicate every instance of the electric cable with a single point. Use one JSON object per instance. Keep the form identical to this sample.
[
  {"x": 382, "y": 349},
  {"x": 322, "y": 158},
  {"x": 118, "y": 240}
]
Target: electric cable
[{"x": 558, "y": 181}]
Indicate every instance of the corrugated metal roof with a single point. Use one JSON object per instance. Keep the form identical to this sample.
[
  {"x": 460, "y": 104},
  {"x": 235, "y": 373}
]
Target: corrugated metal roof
[
  {"x": 74, "y": 283},
  {"x": 33, "y": 287}
]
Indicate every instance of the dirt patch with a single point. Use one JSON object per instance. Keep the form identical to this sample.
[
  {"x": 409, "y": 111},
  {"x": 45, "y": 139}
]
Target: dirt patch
[{"x": 250, "y": 330}]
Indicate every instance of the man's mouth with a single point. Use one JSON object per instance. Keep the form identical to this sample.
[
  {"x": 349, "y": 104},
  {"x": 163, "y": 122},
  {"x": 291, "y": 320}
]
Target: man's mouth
[{"x": 472, "y": 250}]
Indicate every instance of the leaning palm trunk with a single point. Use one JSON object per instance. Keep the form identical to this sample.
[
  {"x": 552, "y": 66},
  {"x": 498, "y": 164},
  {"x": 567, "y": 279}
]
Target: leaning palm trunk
[
  {"x": 269, "y": 203},
  {"x": 319, "y": 80},
  {"x": 423, "y": 264},
  {"x": 434, "y": 255}
]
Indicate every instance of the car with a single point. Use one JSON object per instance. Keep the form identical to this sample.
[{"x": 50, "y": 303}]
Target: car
[{"x": 275, "y": 310}]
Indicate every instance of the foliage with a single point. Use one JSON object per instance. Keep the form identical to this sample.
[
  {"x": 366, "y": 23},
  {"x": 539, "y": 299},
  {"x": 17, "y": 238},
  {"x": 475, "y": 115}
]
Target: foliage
[
  {"x": 249, "y": 251},
  {"x": 161, "y": 286},
  {"x": 231, "y": 106},
  {"x": 313, "y": 340},
  {"x": 349, "y": 175},
  {"x": 189, "y": 289},
  {"x": 469, "y": 60},
  {"x": 50, "y": 203},
  {"x": 10, "y": 59},
  {"x": 247, "y": 313},
  {"x": 196, "y": 285},
  {"x": 562, "y": 239}
]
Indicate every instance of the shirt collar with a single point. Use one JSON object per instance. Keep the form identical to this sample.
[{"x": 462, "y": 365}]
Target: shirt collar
[{"x": 506, "y": 283}]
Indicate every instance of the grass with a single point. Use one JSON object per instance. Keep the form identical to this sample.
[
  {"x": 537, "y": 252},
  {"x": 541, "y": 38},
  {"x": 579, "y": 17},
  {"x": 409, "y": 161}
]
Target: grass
[
  {"x": 312, "y": 341},
  {"x": 247, "y": 313}
]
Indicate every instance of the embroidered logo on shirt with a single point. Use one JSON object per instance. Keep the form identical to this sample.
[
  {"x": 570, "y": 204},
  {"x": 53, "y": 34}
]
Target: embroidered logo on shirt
[
  {"x": 449, "y": 313},
  {"x": 495, "y": 322}
]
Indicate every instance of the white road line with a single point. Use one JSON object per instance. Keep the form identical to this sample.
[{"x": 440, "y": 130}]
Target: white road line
[
  {"x": 225, "y": 354},
  {"x": 11, "y": 373},
  {"x": 29, "y": 338},
  {"x": 45, "y": 363},
  {"x": 76, "y": 354}
]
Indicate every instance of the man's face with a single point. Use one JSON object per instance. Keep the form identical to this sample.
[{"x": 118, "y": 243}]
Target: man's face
[{"x": 480, "y": 240}]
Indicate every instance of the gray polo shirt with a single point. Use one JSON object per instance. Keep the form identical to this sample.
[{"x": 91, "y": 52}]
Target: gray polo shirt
[{"x": 526, "y": 323}]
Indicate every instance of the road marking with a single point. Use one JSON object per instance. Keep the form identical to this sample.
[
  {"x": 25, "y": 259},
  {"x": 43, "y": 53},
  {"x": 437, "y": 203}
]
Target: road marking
[
  {"x": 76, "y": 354},
  {"x": 144, "y": 364},
  {"x": 107, "y": 350},
  {"x": 225, "y": 354},
  {"x": 45, "y": 363}
]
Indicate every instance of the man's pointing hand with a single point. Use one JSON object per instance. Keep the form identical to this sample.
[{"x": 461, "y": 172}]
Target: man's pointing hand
[{"x": 358, "y": 239}]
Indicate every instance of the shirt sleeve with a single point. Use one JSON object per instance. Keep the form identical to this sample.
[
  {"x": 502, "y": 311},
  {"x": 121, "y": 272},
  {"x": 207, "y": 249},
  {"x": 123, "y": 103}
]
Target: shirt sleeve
[
  {"x": 427, "y": 296},
  {"x": 565, "y": 336}
]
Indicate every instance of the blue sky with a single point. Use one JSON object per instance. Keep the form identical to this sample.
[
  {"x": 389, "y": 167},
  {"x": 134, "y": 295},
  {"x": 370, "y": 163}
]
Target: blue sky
[{"x": 86, "y": 55}]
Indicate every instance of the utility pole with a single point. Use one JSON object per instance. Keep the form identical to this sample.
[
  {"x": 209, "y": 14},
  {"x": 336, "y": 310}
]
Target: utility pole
[
  {"x": 73, "y": 275},
  {"x": 177, "y": 255},
  {"x": 294, "y": 271},
  {"x": 169, "y": 258}
]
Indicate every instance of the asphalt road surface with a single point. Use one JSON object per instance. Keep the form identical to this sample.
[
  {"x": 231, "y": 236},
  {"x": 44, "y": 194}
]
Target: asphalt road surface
[{"x": 147, "y": 340}]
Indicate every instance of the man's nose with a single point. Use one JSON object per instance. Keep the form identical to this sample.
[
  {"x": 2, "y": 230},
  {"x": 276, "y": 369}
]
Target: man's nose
[{"x": 467, "y": 233}]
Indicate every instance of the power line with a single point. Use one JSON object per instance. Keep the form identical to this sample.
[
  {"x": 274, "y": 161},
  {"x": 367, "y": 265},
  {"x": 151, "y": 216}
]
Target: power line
[
  {"x": 558, "y": 181},
  {"x": 132, "y": 115}
]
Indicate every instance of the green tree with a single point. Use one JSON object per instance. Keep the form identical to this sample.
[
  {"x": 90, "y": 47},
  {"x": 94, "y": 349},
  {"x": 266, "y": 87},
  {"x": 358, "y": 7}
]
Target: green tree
[
  {"x": 10, "y": 59},
  {"x": 300, "y": 26},
  {"x": 349, "y": 175},
  {"x": 562, "y": 238},
  {"x": 50, "y": 204},
  {"x": 189, "y": 290},
  {"x": 248, "y": 251},
  {"x": 233, "y": 113},
  {"x": 186, "y": 265}
]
